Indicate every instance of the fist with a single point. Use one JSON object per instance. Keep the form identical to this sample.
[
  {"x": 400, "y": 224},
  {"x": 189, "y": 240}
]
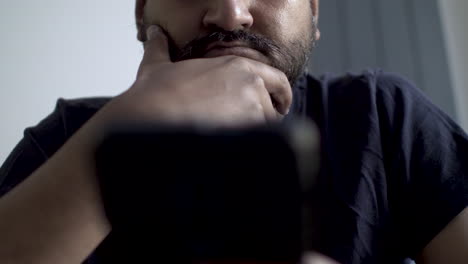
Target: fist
[{"x": 221, "y": 91}]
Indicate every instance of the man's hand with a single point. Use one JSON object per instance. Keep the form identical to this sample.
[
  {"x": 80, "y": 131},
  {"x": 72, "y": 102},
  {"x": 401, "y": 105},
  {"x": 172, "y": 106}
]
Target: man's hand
[
  {"x": 56, "y": 215},
  {"x": 226, "y": 91}
]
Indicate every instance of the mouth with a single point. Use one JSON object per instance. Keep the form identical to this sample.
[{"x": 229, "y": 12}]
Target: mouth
[{"x": 236, "y": 49}]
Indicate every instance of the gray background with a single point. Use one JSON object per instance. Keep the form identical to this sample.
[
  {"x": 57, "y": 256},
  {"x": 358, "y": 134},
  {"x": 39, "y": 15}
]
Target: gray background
[
  {"x": 403, "y": 36},
  {"x": 55, "y": 48}
]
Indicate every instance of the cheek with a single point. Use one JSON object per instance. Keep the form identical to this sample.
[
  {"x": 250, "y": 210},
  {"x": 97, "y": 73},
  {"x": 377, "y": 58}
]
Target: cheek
[
  {"x": 180, "y": 21},
  {"x": 286, "y": 20}
]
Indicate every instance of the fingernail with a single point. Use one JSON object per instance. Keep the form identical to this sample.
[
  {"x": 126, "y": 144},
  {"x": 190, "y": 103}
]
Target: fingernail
[{"x": 152, "y": 32}]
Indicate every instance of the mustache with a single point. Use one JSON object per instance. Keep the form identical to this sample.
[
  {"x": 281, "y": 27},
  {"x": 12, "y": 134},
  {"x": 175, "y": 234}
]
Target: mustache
[{"x": 197, "y": 47}]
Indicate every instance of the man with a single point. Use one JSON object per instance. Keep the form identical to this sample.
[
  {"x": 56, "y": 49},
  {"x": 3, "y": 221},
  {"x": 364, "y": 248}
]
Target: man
[{"x": 394, "y": 168}]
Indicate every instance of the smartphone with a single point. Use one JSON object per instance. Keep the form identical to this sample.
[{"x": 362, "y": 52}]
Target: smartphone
[{"x": 186, "y": 194}]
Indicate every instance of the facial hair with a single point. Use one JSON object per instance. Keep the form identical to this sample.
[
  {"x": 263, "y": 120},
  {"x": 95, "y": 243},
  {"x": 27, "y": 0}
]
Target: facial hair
[{"x": 291, "y": 58}]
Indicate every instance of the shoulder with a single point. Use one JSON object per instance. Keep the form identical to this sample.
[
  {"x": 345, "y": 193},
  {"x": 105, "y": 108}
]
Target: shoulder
[
  {"x": 391, "y": 97},
  {"x": 423, "y": 149},
  {"x": 88, "y": 103},
  {"x": 76, "y": 112},
  {"x": 371, "y": 81},
  {"x": 81, "y": 108},
  {"x": 67, "y": 117},
  {"x": 41, "y": 141}
]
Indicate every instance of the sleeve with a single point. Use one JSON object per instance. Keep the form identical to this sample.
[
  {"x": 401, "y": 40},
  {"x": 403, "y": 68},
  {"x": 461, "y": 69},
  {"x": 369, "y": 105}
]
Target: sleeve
[
  {"x": 43, "y": 140},
  {"x": 36, "y": 146},
  {"x": 427, "y": 157}
]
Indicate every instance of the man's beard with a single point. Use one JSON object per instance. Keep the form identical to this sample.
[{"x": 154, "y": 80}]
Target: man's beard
[{"x": 291, "y": 58}]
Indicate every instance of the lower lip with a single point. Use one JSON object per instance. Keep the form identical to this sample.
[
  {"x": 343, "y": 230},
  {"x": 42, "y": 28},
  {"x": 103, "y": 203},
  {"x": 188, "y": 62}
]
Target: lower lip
[{"x": 236, "y": 51}]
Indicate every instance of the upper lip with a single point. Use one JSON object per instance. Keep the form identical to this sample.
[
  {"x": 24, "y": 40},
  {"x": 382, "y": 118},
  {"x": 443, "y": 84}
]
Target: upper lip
[{"x": 221, "y": 44}]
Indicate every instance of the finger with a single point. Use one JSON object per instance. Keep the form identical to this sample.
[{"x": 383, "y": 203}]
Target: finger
[
  {"x": 276, "y": 83},
  {"x": 269, "y": 110},
  {"x": 156, "y": 46}
]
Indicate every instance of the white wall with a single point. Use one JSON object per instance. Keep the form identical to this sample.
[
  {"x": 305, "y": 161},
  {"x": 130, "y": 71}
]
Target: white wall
[
  {"x": 455, "y": 24},
  {"x": 55, "y": 48}
]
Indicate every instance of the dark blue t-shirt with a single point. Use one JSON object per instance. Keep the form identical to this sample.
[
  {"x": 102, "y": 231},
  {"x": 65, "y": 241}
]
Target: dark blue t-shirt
[{"x": 394, "y": 168}]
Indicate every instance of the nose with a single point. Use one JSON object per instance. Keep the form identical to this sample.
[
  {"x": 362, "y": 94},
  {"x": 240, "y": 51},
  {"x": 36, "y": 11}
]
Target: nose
[{"x": 229, "y": 15}]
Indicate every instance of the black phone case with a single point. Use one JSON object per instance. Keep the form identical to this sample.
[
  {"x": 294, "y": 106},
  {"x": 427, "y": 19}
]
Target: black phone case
[{"x": 184, "y": 195}]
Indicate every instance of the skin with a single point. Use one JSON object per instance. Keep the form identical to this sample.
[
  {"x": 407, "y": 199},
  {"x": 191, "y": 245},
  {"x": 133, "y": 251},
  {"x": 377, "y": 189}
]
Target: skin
[
  {"x": 282, "y": 21},
  {"x": 290, "y": 26},
  {"x": 450, "y": 245},
  {"x": 56, "y": 215}
]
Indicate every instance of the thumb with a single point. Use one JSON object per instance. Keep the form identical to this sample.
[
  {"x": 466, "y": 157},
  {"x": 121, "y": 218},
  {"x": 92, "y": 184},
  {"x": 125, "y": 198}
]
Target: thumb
[{"x": 156, "y": 46}]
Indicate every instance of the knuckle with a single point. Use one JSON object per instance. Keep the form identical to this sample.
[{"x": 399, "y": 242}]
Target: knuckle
[
  {"x": 256, "y": 80},
  {"x": 286, "y": 90},
  {"x": 256, "y": 110},
  {"x": 237, "y": 62},
  {"x": 284, "y": 79},
  {"x": 250, "y": 95},
  {"x": 252, "y": 103},
  {"x": 288, "y": 97}
]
